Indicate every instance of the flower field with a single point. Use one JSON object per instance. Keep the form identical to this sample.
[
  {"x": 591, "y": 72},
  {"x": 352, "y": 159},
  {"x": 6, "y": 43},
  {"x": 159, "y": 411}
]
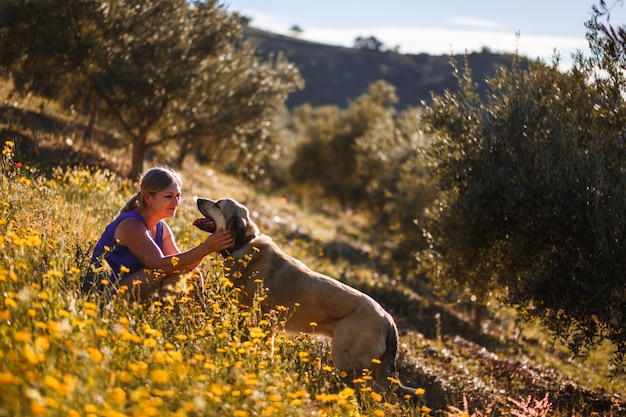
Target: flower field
[{"x": 66, "y": 355}]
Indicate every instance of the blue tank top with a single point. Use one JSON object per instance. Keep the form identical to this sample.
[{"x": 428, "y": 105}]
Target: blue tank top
[{"x": 115, "y": 254}]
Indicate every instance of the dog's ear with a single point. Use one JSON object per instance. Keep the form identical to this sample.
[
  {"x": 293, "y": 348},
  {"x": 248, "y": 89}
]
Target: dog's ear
[{"x": 236, "y": 224}]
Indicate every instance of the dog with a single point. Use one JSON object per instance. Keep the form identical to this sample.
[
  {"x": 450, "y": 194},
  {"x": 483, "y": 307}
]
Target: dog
[{"x": 363, "y": 335}]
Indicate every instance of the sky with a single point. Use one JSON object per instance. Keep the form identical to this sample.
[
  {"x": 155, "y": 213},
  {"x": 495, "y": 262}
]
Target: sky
[{"x": 534, "y": 28}]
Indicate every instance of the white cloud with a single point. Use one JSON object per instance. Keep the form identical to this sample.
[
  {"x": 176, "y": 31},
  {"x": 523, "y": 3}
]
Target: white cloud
[
  {"x": 443, "y": 42},
  {"x": 478, "y": 23}
]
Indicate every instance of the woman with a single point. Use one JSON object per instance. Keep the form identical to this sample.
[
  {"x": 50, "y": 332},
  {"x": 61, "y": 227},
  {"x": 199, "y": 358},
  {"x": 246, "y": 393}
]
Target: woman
[{"x": 138, "y": 249}]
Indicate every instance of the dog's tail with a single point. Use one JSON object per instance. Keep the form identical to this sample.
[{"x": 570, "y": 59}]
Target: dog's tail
[{"x": 385, "y": 373}]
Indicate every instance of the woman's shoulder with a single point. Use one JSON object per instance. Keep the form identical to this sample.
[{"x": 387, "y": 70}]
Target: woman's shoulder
[{"x": 130, "y": 219}]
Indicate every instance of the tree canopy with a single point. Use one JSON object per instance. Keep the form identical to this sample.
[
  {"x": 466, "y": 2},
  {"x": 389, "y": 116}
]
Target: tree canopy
[
  {"x": 534, "y": 194},
  {"x": 159, "y": 70}
]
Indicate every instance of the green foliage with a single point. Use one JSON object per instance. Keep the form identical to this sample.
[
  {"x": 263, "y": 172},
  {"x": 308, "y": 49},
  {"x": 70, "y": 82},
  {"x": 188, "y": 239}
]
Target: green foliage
[
  {"x": 534, "y": 195},
  {"x": 370, "y": 158},
  {"x": 327, "y": 156},
  {"x": 159, "y": 71}
]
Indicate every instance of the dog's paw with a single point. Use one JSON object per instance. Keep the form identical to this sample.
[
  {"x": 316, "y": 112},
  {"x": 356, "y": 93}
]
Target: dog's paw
[{"x": 205, "y": 224}]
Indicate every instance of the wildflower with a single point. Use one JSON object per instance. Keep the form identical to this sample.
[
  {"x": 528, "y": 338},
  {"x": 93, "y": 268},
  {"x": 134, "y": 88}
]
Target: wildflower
[
  {"x": 32, "y": 356},
  {"x": 150, "y": 342},
  {"x": 42, "y": 343},
  {"x": 175, "y": 260},
  {"x": 375, "y": 396},
  {"x": 21, "y": 336},
  {"x": 118, "y": 394},
  {"x": 7, "y": 378},
  {"x": 124, "y": 269},
  {"x": 376, "y": 361},
  {"x": 95, "y": 354},
  {"x": 346, "y": 393},
  {"x": 420, "y": 391},
  {"x": 160, "y": 376}
]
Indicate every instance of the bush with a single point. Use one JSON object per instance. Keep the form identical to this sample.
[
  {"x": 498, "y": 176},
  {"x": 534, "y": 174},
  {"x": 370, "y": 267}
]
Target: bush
[{"x": 533, "y": 197}]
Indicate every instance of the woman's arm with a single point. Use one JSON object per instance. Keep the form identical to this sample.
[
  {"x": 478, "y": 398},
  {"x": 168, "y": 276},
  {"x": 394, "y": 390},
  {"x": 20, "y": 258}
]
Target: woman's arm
[{"x": 132, "y": 233}]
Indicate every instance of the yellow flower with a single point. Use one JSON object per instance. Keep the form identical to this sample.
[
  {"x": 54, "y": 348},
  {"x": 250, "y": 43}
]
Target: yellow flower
[
  {"x": 31, "y": 356},
  {"x": 7, "y": 378},
  {"x": 95, "y": 354},
  {"x": 375, "y": 396},
  {"x": 160, "y": 376},
  {"x": 124, "y": 269},
  {"x": 150, "y": 342},
  {"x": 118, "y": 395},
  {"x": 420, "y": 391},
  {"x": 175, "y": 260},
  {"x": 42, "y": 343},
  {"x": 346, "y": 393}
]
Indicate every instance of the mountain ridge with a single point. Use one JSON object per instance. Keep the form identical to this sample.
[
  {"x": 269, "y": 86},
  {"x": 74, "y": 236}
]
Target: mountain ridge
[{"x": 336, "y": 75}]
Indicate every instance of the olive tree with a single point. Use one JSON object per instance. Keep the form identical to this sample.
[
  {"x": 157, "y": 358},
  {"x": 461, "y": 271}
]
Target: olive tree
[
  {"x": 533, "y": 196},
  {"x": 326, "y": 158},
  {"x": 158, "y": 70}
]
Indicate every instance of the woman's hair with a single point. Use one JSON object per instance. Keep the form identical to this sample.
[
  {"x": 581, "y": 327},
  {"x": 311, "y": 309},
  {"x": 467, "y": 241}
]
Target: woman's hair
[{"x": 152, "y": 181}]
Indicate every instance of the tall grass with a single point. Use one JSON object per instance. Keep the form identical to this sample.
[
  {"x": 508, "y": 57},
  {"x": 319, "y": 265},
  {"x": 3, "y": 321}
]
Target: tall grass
[{"x": 62, "y": 354}]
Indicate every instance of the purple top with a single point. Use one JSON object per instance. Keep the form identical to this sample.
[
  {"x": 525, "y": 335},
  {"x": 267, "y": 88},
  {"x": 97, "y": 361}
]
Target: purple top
[{"x": 117, "y": 255}]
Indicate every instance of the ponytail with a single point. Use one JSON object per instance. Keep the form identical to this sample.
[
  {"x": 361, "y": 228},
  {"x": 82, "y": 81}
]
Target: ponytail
[{"x": 131, "y": 204}]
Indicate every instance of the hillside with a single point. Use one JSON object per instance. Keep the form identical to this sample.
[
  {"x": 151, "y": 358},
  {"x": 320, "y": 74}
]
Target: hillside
[
  {"x": 438, "y": 350},
  {"x": 336, "y": 75}
]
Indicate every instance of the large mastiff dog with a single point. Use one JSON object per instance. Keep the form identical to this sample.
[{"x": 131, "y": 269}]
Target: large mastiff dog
[{"x": 361, "y": 330}]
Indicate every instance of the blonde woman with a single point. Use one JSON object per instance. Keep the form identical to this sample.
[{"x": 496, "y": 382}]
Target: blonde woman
[{"x": 138, "y": 249}]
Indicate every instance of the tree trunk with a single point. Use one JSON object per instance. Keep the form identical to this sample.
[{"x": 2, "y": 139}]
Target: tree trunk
[
  {"x": 183, "y": 150},
  {"x": 138, "y": 154},
  {"x": 93, "y": 117}
]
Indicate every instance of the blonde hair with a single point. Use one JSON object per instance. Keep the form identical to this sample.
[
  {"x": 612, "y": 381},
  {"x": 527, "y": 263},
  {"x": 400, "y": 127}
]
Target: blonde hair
[{"x": 152, "y": 181}]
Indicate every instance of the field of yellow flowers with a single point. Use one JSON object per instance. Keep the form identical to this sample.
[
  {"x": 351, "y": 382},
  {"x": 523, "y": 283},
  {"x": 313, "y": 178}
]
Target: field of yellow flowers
[{"x": 62, "y": 354}]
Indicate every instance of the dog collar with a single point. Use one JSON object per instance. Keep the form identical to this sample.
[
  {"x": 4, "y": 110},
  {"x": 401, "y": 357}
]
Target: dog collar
[{"x": 228, "y": 252}]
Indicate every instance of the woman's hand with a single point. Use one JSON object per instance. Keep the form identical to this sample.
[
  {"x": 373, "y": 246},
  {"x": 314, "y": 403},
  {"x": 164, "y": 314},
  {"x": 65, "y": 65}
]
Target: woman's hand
[{"x": 219, "y": 241}]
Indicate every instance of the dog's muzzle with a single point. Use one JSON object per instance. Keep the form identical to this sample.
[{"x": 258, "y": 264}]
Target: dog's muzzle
[{"x": 205, "y": 223}]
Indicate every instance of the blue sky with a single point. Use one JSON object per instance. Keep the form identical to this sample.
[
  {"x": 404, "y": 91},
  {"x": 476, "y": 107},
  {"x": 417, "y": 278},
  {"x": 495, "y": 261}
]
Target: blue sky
[{"x": 436, "y": 27}]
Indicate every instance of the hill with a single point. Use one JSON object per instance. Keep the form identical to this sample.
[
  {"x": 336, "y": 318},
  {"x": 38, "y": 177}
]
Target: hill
[
  {"x": 335, "y": 75},
  {"x": 439, "y": 351}
]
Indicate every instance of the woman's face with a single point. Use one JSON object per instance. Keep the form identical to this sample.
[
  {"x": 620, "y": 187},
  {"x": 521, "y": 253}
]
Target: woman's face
[{"x": 165, "y": 202}]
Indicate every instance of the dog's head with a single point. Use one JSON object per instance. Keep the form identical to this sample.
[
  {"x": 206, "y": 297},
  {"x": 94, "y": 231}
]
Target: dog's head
[{"x": 228, "y": 214}]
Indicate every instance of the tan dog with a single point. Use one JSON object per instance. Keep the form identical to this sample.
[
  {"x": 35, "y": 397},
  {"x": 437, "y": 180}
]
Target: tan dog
[{"x": 361, "y": 330}]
